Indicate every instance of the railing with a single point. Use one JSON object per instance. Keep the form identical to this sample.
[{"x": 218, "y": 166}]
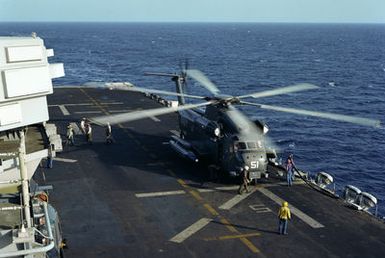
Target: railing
[{"x": 40, "y": 249}]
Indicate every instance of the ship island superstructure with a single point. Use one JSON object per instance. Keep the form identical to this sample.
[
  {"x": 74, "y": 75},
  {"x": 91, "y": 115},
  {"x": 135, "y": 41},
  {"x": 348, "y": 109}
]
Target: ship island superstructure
[{"x": 28, "y": 223}]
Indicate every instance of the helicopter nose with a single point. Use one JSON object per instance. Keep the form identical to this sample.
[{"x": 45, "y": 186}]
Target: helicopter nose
[{"x": 254, "y": 160}]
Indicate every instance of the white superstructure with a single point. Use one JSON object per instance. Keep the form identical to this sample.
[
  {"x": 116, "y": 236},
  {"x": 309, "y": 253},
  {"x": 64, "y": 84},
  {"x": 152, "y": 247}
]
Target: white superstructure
[
  {"x": 28, "y": 228},
  {"x": 26, "y": 80}
]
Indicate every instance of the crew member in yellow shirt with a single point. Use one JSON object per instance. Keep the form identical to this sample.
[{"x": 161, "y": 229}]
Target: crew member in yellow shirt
[{"x": 283, "y": 215}]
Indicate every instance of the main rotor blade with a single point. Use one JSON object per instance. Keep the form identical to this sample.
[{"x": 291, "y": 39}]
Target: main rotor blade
[
  {"x": 162, "y": 74},
  {"x": 245, "y": 124},
  {"x": 337, "y": 117},
  {"x": 202, "y": 79},
  {"x": 136, "y": 115},
  {"x": 283, "y": 90},
  {"x": 162, "y": 92}
]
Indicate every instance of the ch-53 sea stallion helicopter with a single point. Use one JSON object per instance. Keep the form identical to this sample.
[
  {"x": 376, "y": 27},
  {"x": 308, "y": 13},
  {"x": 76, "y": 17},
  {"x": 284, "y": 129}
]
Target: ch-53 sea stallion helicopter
[{"x": 221, "y": 134}]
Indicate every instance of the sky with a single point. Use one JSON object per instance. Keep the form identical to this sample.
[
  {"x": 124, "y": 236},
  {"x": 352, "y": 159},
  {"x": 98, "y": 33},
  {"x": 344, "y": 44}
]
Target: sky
[{"x": 314, "y": 11}]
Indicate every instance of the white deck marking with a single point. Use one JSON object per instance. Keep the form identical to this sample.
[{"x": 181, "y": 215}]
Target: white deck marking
[
  {"x": 153, "y": 118},
  {"x": 221, "y": 188},
  {"x": 88, "y": 112},
  {"x": 79, "y": 104},
  {"x": 64, "y": 110},
  {"x": 175, "y": 132},
  {"x": 121, "y": 111},
  {"x": 85, "y": 104},
  {"x": 156, "y": 194},
  {"x": 235, "y": 200},
  {"x": 260, "y": 208},
  {"x": 297, "y": 182},
  {"x": 179, "y": 238},
  {"x": 65, "y": 160},
  {"x": 205, "y": 190},
  {"x": 111, "y": 103},
  {"x": 305, "y": 218},
  {"x": 177, "y": 192},
  {"x": 227, "y": 188}
]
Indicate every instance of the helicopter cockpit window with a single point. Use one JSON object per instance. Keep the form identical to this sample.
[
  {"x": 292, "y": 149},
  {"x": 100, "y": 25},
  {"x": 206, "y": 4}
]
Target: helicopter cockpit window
[
  {"x": 240, "y": 146},
  {"x": 251, "y": 145}
]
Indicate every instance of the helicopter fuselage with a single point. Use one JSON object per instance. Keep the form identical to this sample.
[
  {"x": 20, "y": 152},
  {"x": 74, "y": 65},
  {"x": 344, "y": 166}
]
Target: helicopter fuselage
[{"x": 212, "y": 136}]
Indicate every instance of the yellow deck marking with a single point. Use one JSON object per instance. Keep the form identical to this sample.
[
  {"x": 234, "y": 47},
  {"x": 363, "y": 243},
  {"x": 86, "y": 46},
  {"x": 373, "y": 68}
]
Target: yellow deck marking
[
  {"x": 210, "y": 209},
  {"x": 95, "y": 102},
  {"x": 232, "y": 236},
  {"x": 250, "y": 245},
  {"x": 244, "y": 240},
  {"x": 228, "y": 225},
  {"x": 196, "y": 195},
  {"x": 181, "y": 182}
]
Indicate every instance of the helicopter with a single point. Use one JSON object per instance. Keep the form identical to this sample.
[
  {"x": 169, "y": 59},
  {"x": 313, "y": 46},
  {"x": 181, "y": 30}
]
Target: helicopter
[{"x": 220, "y": 134}]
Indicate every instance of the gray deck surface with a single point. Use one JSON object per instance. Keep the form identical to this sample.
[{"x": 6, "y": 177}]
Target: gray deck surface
[{"x": 102, "y": 216}]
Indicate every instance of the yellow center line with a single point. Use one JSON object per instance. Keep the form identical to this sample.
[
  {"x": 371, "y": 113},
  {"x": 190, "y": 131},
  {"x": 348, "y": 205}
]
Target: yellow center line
[
  {"x": 100, "y": 106},
  {"x": 196, "y": 195},
  {"x": 95, "y": 102},
  {"x": 181, "y": 182},
  {"x": 238, "y": 236},
  {"x": 232, "y": 236},
  {"x": 228, "y": 225},
  {"x": 210, "y": 209},
  {"x": 250, "y": 245}
]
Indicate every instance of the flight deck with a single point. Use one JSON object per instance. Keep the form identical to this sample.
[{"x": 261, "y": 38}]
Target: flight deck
[{"x": 137, "y": 198}]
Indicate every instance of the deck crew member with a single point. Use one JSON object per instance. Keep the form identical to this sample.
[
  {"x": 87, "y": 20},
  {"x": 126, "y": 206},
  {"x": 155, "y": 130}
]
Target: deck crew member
[
  {"x": 283, "y": 216},
  {"x": 50, "y": 156},
  {"x": 290, "y": 166},
  {"x": 245, "y": 180},
  {"x": 70, "y": 135},
  {"x": 89, "y": 133},
  {"x": 291, "y": 156},
  {"x": 109, "y": 138},
  {"x": 83, "y": 125}
]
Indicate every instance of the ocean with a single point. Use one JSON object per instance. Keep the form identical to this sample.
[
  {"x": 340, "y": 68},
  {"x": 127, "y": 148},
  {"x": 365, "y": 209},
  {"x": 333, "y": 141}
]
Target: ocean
[{"x": 347, "y": 62}]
